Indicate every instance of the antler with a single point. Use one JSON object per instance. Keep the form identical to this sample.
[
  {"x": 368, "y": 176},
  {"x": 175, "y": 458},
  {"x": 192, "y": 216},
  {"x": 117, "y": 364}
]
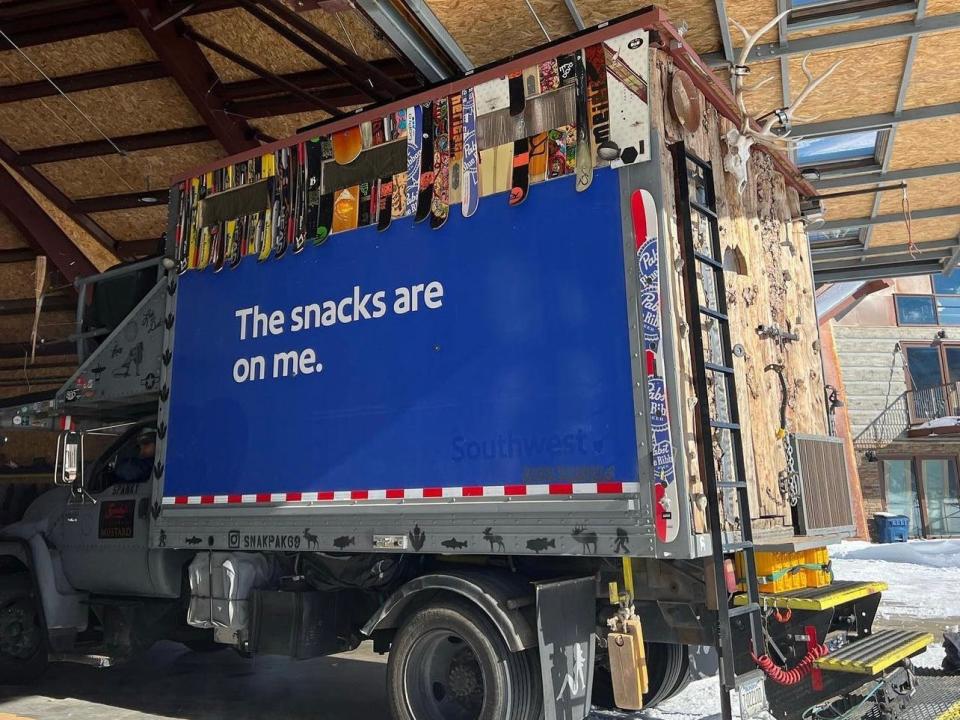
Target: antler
[{"x": 740, "y": 69}]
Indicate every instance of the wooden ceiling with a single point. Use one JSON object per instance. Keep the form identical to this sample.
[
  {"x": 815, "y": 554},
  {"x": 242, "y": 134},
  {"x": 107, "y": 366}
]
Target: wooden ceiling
[{"x": 152, "y": 87}]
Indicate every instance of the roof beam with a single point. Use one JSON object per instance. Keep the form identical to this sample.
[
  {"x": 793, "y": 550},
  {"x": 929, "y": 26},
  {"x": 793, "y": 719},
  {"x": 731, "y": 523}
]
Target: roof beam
[
  {"x": 140, "y": 248},
  {"x": 188, "y": 66},
  {"x": 876, "y": 120},
  {"x": 903, "y": 257},
  {"x": 25, "y": 306},
  {"x": 17, "y": 255},
  {"x": 925, "y": 214},
  {"x": 875, "y": 272},
  {"x": 56, "y": 196},
  {"x": 44, "y": 349},
  {"x": 106, "y": 203},
  {"x": 889, "y": 176},
  {"x": 856, "y": 253},
  {"x": 79, "y": 82},
  {"x": 847, "y": 38},
  {"x": 40, "y": 230},
  {"x": 127, "y": 143}
]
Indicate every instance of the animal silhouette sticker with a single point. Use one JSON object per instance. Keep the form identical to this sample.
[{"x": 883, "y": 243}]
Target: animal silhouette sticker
[
  {"x": 538, "y": 545},
  {"x": 313, "y": 542},
  {"x": 587, "y": 538},
  {"x": 496, "y": 541},
  {"x": 417, "y": 537},
  {"x": 454, "y": 544},
  {"x": 344, "y": 541}
]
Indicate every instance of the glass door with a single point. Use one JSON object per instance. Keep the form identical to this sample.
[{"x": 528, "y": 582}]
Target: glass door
[
  {"x": 900, "y": 486},
  {"x": 941, "y": 492}
]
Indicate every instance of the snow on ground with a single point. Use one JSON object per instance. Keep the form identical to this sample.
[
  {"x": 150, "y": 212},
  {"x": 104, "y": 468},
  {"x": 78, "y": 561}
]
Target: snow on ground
[{"x": 924, "y": 579}]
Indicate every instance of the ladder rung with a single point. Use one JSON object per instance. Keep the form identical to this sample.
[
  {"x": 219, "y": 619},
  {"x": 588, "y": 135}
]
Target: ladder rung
[
  {"x": 731, "y": 484},
  {"x": 718, "y": 368},
  {"x": 716, "y": 314},
  {"x": 744, "y": 610},
  {"x": 707, "y": 260},
  {"x": 734, "y": 546},
  {"x": 721, "y": 425},
  {"x": 702, "y": 209}
]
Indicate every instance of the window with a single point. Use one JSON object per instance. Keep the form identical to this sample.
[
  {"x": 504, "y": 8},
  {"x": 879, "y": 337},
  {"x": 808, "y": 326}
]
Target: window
[
  {"x": 926, "y": 490},
  {"x": 843, "y": 154},
  {"x": 932, "y": 374},
  {"x": 814, "y": 13},
  {"x": 842, "y": 237},
  {"x": 941, "y": 308},
  {"x": 900, "y": 492}
]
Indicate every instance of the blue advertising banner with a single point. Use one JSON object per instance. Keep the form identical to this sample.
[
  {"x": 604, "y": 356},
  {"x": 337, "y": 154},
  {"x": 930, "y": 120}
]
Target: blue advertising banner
[{"x": 492, "y": 352}]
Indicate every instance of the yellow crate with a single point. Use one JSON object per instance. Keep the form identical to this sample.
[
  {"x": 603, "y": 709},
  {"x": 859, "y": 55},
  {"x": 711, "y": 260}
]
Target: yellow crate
[{"x": 787, "y": 569}]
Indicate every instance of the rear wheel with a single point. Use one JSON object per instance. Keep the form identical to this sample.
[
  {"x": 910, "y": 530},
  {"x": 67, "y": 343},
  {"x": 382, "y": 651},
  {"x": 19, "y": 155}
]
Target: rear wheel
[
  {"x": 449, "y": 662},
  {"x": 23, "y": 648}
]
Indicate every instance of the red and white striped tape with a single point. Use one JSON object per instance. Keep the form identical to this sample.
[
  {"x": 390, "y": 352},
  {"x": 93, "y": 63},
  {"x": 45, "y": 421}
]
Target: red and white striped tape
[{"x": 439, "y": 493}]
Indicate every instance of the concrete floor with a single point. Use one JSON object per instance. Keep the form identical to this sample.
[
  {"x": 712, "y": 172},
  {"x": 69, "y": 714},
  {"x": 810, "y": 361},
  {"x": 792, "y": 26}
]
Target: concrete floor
[{"x": 172, "y": 682}]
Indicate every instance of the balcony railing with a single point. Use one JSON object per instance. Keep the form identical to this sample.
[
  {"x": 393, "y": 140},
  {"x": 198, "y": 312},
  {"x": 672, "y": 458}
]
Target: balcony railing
[{"x": 933, "y": 403}]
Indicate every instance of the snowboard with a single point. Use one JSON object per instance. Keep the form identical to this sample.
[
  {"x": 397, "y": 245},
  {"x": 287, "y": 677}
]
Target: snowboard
[
  {"x": 470, "y": 179},
  {"x": 455, "y": 191},
  {"x": 598, "y": 100},
  {"x": 346, "y": 206},
  {"x": 425, "y": 195},
  {"x": 538, "y": 158},
  {"x": 347, "y": 145},
  {"x": 531, "y": 82},
  {"x": 398, "y": 127},
  {"x": 627, "y": 61},
  {"x": 520, "y": 180},
  {"x": 491, "y": 96},
  {"x": 281, "y": 203},
  {"x": 364, "y": 200},
  {"x": 440, "y": 208},
  {"x": 517, "y": 99},
  {"x": 549, "y": 75},
  {"x": 414, "y": 159},
  {"x": 366, "y": 135},
  {"x": 584, "y": 160},
  {"x": 643, "y": 211}
]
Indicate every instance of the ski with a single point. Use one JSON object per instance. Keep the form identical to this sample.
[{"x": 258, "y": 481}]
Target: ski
[
  {"x": 364, "y": 214},
  {"x": 232, "y": 250},
  {"x": 627, "y": 61},
  {"x": 281, "y": 203},
  {"x": 314, "y": 153},
  {"x": 299, "y": 219},
  {"x": 455, "y": 191},
  {"x": 520, "y": 181},
  {"x": 414, "y": 159},
  {"x": 203, "y": 251},
  {"x": 265, "y": 229},
  {"x": 515, "y": 89},
  {"x": 584, "y": 159},
  {"x": 347, "y": 145},
  {"x": 425, "y": 197},
  {"x": 223, "y": 228},
  {"x": 440, "y": 208},
  {"x": 644, "y": 214},
  {"x": 324, "y": 219},
  {"x": 385, "y": 203},
  {"x": 470, "y": 181}
]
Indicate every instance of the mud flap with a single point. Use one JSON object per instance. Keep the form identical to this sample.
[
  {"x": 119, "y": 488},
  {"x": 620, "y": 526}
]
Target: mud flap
[{"x": 566, "y": 635}]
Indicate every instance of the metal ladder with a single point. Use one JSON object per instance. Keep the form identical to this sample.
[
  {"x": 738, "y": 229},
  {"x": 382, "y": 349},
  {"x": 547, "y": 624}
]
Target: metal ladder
[{"x": 710, "y": 265}]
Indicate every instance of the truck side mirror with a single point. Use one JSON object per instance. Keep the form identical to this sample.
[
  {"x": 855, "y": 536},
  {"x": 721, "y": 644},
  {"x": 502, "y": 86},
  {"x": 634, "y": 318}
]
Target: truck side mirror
[{"x": 68, "y": 468}]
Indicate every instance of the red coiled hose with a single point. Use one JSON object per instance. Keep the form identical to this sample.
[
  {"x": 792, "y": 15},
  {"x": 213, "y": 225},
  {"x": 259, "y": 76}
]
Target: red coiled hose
[{"x": 796, "y": 674}]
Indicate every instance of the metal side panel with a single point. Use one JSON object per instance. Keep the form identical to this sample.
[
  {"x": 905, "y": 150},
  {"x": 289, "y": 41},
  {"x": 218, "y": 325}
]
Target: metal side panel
[
  {"x": 503, "y": 422},
  {"x": 125, "y": 368}
]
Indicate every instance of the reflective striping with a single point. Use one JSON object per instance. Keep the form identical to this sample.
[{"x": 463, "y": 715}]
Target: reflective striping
[
  {"x": 824, "y": 598},
  {"x": 439, "y": 493},
  {"x": 874, "y": 654}
]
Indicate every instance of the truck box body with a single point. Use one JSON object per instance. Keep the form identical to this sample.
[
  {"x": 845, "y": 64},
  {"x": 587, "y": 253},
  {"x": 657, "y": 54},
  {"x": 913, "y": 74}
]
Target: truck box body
[{"x": 479, "y": 376}]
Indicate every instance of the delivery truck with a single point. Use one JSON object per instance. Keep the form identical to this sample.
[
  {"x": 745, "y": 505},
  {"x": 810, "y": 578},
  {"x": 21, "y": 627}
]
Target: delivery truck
[{"x": 524, "y": 388}]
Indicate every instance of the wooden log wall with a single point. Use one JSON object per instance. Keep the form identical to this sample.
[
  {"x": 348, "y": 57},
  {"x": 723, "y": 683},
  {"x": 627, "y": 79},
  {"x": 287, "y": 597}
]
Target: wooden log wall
[{"x": 769, "y": 281}]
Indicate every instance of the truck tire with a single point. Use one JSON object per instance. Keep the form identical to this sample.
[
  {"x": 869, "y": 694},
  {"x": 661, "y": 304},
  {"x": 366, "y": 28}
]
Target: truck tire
[
  {"x": 449, "y": 662},
  {"x": 23, "y": 647}
]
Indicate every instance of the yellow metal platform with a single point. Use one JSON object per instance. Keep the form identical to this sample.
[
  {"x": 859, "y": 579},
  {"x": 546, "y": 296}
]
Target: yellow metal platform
[
  {"x": 874, "y": 654},
  {"x": 836, "y": 593}
]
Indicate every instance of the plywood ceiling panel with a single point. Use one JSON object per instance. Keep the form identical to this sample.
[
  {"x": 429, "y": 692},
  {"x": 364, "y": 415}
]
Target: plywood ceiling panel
[
  {"x": 286, "y": 125},
  {"x": 869, "y": 77},
  {"x": 134, "y": 223},
  {"x": 852, "y": 206},
  {"x": 141, "y": 170},
  {"x": 926, "y": 142},
  {"x": 10, "y": 236},
  {"x": 935, "y": 79},
  {"x": 242, "y": 33},
  {"x": 942, "y": 7},
  {"x": 930, "y": 192},
  {"x": 115, "y": 111},
  {"x": 895, "y": 233},
  {"x": 95, "y": 52},
  {"x": 752, "y": 14}
]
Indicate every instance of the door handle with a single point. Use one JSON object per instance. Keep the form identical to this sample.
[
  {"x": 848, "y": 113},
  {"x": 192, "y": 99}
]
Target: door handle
[{"x": 72, "y": 516}]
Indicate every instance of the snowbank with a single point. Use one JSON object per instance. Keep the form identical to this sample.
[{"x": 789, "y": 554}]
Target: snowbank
[{"x": 928, "y": 553}]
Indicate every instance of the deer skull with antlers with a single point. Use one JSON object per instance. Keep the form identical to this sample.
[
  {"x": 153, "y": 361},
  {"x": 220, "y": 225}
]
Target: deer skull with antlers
[{"x": 774, "y": 127}]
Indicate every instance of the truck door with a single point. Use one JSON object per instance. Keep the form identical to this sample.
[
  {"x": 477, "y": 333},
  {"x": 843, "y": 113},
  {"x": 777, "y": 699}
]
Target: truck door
[{"x": 104, "y": 543}]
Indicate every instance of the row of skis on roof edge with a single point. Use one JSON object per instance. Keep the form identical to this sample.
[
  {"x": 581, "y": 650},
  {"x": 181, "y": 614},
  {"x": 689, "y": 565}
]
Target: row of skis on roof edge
[{"x": 565, "y": 116}]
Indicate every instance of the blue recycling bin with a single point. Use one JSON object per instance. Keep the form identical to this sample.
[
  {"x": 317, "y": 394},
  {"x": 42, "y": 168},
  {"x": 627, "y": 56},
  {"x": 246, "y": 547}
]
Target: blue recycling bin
[{"x": 891, "y": 528}]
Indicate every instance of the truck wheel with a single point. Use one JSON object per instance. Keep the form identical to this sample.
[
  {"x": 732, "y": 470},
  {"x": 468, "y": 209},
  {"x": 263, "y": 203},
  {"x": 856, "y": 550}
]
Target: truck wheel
[
  {"x": 668, "y": 667},
  {"x": 23, "y": 648},
  {"x": 449, "y": 662}
]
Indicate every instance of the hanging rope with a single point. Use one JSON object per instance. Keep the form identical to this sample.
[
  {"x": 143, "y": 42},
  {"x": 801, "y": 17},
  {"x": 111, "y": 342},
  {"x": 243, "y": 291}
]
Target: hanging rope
[{"x": 908, "y": 220}]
